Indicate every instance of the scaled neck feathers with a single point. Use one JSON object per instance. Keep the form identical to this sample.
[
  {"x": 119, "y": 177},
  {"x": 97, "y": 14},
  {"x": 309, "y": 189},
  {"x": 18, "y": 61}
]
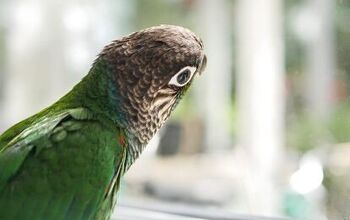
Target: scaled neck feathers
[{"x": 103, "y": 93}]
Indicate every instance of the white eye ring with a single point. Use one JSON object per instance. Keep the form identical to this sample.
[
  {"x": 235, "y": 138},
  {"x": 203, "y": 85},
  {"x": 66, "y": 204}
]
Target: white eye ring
[{"x": 178, "y": 80}]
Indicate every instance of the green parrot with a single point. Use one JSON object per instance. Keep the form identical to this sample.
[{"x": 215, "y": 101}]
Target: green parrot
[{"x": 66, "y": 161}]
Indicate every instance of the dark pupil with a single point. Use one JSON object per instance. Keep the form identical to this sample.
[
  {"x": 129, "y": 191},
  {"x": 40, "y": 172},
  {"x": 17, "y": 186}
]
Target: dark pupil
[{"x": 183, "y": 77}]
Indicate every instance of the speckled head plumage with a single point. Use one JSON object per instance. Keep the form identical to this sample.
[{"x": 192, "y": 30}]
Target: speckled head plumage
[{"x": 151, "y": 70}]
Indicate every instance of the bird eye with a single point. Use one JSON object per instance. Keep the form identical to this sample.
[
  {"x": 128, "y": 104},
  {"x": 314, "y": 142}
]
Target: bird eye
[{"x": 182, "y": 77}]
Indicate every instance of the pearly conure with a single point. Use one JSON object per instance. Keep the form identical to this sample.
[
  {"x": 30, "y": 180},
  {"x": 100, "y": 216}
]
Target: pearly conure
[{"x": 66, "y": 161}]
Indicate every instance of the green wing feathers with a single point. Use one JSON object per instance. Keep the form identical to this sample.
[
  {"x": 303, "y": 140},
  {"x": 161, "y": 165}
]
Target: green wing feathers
[
  {"x": 58, "y": 167},
  {"x": 13, "y": 153}
]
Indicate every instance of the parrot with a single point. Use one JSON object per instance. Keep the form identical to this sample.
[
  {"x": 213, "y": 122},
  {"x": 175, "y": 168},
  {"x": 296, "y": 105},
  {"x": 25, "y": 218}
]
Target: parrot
[{"x": 66, "y": 162}]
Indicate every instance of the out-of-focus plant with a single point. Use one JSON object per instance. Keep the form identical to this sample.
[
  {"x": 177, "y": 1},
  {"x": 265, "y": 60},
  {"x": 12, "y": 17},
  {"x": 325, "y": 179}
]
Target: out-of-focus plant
[{"x": 304, "y": 133}]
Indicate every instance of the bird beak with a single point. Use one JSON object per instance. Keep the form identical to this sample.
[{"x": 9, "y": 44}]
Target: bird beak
[{"x": 203, "y": 65}]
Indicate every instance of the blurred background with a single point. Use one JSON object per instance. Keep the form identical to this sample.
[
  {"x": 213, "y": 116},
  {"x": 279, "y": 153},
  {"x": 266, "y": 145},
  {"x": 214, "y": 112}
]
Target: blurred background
[{"x": 264, "y": 131}]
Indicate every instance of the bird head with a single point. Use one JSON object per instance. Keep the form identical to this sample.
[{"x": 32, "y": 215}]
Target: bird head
[{"x": 151, "y": 69}]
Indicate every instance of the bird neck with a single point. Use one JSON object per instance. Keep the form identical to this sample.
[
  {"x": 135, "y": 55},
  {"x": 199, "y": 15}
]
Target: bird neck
[{"x": 97, "y": 91}]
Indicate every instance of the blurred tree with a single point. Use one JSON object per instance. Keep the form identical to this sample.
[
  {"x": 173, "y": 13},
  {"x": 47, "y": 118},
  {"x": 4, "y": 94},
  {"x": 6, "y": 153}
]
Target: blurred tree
[
  {"x": 260, "y": 68},
  {"x": 342, "y": 17},
  {"x": 2, "y": 60},
  {"x": 320, "y": 60},
  {"x": 215, "y": 28},
  {"x": 38, "y": 59}
]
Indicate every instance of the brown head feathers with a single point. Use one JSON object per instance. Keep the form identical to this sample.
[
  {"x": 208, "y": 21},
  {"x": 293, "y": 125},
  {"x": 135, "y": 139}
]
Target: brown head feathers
[{"x": 151, "y": 69}]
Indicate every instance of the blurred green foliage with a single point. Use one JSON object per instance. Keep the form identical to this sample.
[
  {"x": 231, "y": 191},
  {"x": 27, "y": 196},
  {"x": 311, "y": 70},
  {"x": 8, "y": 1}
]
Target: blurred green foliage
[
  {"x": 339, "y": 125},
  {"x": 303, "y": 132},
  {"x": 155, "y": 12}
]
